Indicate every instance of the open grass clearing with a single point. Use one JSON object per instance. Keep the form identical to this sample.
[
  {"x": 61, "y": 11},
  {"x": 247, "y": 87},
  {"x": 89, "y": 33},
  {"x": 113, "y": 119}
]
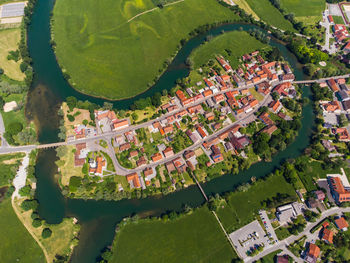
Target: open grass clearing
[
  {"x": 9, "y": 39},
  {"x": 8, "y": 166},
  {"x": 17, "y": 245},
  {"x": 67, "y": 168},
  {"x": 338, "y": 19},
  {"x": 191, "y": 238},
  {"x": 307, "y": 11},
  {"x": 231, "y": 41},
  {"x": 270, "y": 14},
  {"x": 106, "y": 56},
  {"x": 79, "y": 116},
  {"x": 242, "y": 207},
  {"x": 243, "y": 4}
]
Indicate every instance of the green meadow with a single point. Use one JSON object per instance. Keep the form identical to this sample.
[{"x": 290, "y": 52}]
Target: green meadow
[
  {"x": 268, "y": 13},
  {"x": 307, "y": 11},
  {"x": 108, "y": 52},
  {"x": 17, "y": 245},
  {"x": 243, "y": 206},
  {"x": 231, "y": 41},
  {"x": 191, "y": 238}
]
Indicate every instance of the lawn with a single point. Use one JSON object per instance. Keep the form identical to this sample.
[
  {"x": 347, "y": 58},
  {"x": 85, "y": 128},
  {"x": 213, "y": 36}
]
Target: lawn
[
  {"x": 338, "y": 19},
  {"x": 192, "y": 238},
  {"x": 107, "y": 56},
  {"x": 17, "y": 245},
  {"x": 67, "y": 167},
  {"x": 243, "y": 206},
  {"x": 9, "y": 39},
  {"x": 8, "y": 165},
  {"x": 268, "y": 13},
  {"x": 231, "y": 41},
  {"x": 308, "y": 11},
  {"x": 243, "y": 4}
]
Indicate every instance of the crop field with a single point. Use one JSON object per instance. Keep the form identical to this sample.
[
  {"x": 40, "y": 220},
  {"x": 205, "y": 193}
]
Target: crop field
[
  {"x": 235, "y": 215},
  {"x": 307, "y": 11},
  {"x": 9, "y": 39},
  {"x": 268, "y": 13},
  {"x": 109, "y": 51},
  {"x": 17, "y": 245},
  {"x": 232, "y": 42},
  {"x": 191, "y": 238}
]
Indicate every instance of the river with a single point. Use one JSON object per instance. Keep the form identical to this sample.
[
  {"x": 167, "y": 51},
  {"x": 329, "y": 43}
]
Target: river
[{"x": 99, "y": 218}]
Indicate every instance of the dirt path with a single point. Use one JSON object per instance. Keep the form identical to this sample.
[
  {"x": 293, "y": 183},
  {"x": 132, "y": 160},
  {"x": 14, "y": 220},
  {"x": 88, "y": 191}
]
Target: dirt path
[{"x": 151, "y": 10}]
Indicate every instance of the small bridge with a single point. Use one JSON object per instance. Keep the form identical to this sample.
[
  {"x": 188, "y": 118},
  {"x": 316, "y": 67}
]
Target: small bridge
[
  {"x": 320, "y": 80},
  {"x": 51, "y": 145}
]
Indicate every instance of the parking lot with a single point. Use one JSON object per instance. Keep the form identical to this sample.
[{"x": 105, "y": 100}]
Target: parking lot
[
  {"x": 267, "y": 223},
  {"x": 248, "y": 237}
]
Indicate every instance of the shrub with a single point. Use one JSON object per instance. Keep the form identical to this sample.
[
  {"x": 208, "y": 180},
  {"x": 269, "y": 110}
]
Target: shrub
[
  {"x": 46, "y": 233},
  {"x": 29, "y": 204},
  {"x": 70, "y": 118},
  {"x": 36, "y": 223},
  {"x": 14, "y": 128}
]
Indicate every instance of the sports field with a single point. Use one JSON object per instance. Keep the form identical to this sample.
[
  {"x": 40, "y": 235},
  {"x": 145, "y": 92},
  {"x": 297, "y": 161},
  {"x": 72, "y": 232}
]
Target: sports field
[
  {"x": 307, "y": 11},
  {"x": 231, "y": 41},
  {"x": 9, "y": 39},
  {"x": 17, "y": 245},
  {"x": 107, "y": 56},
  {"x": 192, "y": 238},
  {"x": 236, "y": 215},
  {"x": 268, "y": 13}
]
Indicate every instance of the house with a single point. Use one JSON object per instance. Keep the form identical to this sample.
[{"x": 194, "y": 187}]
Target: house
[
  {"x": 180, "y": 165},
  {"x": 168, "y": 129},
  {"x": 124, "y": 147},
  {"x": 188, "y": 154},
  {"x": 106, "y": 120},
  {"x": 270, "y": 129},
  {"x": 209, "y": 116},
  {"x": 343, "y": 95},
  {"x": 275, "y": 106},
  {"x": 328, "y": 145},
  {"x": 333, "y": 85},
  {"x": 339, "y": 192},
  {"x": 216, "y": 154},
  {"x": 141, "y": 161},
  {"x": 320, "y": 195},
  {"x": 170, "y": 119},
  {"x": 80, "y": 154},
  {"x": 149, "y": 173},
  {"x": 327, "y": 236},
  {"x": 239, "y": 143},
  {"x": 168, "y": 152},
  {"x": 218, "y": 98},
  {"x": 195, "y": 109},
  {"x": 97, "y": 166},
  {"x": 170, "y": 167},
  {"x": 312, "y": 203},
  {"x": 156, "y": 157},
  {"x": 201, "y": 131},
  {"x": 313, "y": 253},
  {"x": 265, "y": 118},
  {"x": 192, "y": 136},
  {"x": 281, "y": 88},
  {"x": 120, "y": 124},
  {"x": 133, "y": 180},
  {"x": 207, "y": 92},
  {"x": 133, "y": 153},
  {"x": 343, "y": 134},
  {"x": 342, "y": 224},
  {"x": 332, "y": 106},
  {"x": 285, "y": 213}
]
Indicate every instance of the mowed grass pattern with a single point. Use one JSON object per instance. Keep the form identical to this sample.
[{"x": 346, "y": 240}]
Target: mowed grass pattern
[
  {"x": 268, "y": 13},
  {"x": 237, "y": 42},
  {"x": 17, "y": 245},
  {"x": 109, "y": 57},
  {"x": 192, "y": 238},
  {"x": 242, "y": 207},
  {"x": 305, "y": 10}
]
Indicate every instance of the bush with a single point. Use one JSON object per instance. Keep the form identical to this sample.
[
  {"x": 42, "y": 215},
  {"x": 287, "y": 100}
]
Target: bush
[
  {"x": 25, "y": 191},
  {"x": 46, "y": 233},
  {"x": 14, "y": 128},
  {"x": 36, "y": 223},
  {"x": 29, "y": 204},
  {"x": 70, "y": 118}
]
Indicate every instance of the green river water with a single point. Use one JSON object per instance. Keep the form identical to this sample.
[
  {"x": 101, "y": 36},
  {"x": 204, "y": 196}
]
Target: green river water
[{"x": 99, "y": 218}]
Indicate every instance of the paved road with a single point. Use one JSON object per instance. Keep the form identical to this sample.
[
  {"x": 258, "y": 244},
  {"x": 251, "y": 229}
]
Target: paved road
[
  {"x": 320, "y": 80},
  {"x": 284, "y": 243},
  {"x": 2, "y": 131}
]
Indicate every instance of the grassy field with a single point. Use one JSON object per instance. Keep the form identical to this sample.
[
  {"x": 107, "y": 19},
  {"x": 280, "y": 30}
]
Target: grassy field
[
  {"x": 17, "y": 245},
  {"x": 108, "y": 56},
  {"x": 68, "y": 169},
  {"x": 268, "y": 13},
  {"x": 235, "y": 214},
  {"x": 9, "y": 39},
  {"x": 243, "y": 4},
  {"x": 192, "y": 238},
  {"x": 338, "y": 19},
  {"x": 232, "y": 41},
  {"x": 307, "y": 11}
]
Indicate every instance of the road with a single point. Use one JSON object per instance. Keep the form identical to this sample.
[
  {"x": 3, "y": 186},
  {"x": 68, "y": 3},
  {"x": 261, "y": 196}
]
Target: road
[
  {"x": 284, "y": 243},
  {"x": 2, "y": 131}
]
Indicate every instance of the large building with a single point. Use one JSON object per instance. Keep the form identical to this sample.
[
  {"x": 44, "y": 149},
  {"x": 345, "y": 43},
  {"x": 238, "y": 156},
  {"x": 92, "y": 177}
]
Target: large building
[{"x": 339, "y": 192}]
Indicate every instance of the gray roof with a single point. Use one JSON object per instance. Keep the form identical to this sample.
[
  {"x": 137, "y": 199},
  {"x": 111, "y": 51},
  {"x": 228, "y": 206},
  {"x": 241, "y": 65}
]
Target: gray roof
[{"x": 12, "y": 10}]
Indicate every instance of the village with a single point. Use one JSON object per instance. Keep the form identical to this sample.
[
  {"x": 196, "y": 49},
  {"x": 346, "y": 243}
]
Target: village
[{"x": 201, "y": 128}]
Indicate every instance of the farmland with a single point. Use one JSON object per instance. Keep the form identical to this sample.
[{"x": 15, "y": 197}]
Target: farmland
[
  {"x": 268, "y": 13},
  {"x": 307, "y": 11},
  {"x": 191, "y": 238},
  {"x": 107, "y": 56},
  {"x": 231, "y": 41}
]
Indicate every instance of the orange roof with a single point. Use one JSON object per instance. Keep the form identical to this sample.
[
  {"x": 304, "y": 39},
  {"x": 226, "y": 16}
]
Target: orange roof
[
  {"x": 168, "y": 129},
  {"x": 108, "y": 114},
  {"x": 135, "y": 179},
  {"x": 201, "y": 132},
  {"x": 225, "y": 77},
  {"x": 341, "y": 223},
  {"x": 219, "y": 98},
  {"x": 253, "y": 102},
  {"x": 180, "y": 95},
  {"x": 157, "y": 157},
  {"x": 314, "y": 250},
  {"x": 121, "y": 123},
  {"x": 275, "y": 105},
  {"x": 328, "y": 235}
]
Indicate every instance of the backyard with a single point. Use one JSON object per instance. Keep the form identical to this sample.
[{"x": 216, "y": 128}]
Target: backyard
[{"x": 307, "y": 11}]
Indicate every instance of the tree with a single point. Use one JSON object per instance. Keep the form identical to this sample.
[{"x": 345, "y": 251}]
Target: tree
[
  {"x": 26, "y": 137},
  {"x": 46, "y": 232},
  {"x": 14, "y": 128},
  {"x": 25, "y": 191},
  {"x": 71, "y": 102},
  {"x": 134, "y": 116},
  {"x": 275, "y": 95},
  {"x": 23, "y": 66},
  {"x": 2, "y": 102},
  {"x": 61, "y": 151},
  {"x": 107, "y": 105},
  {"x": 36, "y": 223},
  {"x": 29, "y": 205}
]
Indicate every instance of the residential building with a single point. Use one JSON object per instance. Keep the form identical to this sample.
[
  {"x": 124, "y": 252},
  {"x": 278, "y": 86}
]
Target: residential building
[
  {"x": 313, "y": 253},
  {"x": 327, "y": 235},
  {"x": 157, "y": 157},
  {"x": 133, "y": 180},
  {"x": 168, "y": 152},
  {"x": 216, "y": 154},
  {"x": 342, "y": 224},
  {"x": 275, "y": 106},
  {"x": 339, "y": 192}
]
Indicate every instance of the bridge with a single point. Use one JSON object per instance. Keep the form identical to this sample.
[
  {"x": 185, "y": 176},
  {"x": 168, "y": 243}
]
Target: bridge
[{"x": 320, "y": 80}]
